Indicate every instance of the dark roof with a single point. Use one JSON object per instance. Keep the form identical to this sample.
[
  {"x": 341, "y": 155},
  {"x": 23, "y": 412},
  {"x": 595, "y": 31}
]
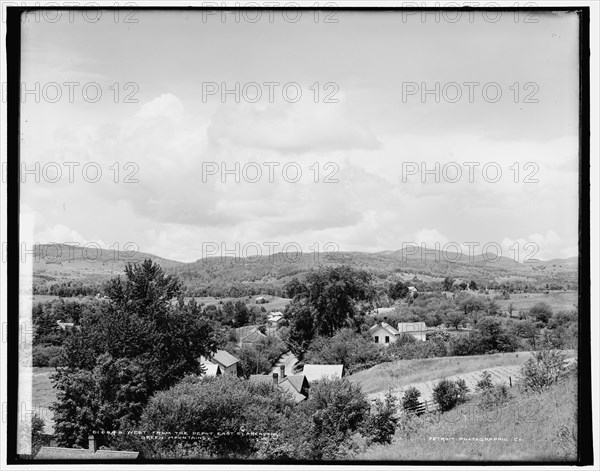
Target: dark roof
[
  {"x": 224, "y": 358},
  {"x": 297, "y": 381},
  {"x": 58, "y": 453},
  {"x": 319, "y": 372}
]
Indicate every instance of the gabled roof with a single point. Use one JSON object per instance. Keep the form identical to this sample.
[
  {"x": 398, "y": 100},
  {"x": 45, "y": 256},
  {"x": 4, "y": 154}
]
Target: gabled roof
[
  {"x": 254, "y": 336},
  {"x": 385, "y": 326},
  {"x": 298, "y": 382},
  {"x": 211, "y": 369},
  {"x": 319, "y": 372},
  {"x": 287, "y": 387},
  {"x": 59, "y": 453},
  {"x": 224, "y": 358}
]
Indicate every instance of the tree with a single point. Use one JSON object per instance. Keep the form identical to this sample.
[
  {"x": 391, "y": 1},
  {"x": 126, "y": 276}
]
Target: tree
[
  {"x": 455, "y": 319},
  {"x": 410, "y": 399},
  {"x": 346, "y": 347},
  {"x": 541, "y": 312},
  {"x": 333, "y": 293},
  {"x": 294, "y": 288},
  {"x": 380, "y": 425},
  {"x": 448, "y": 393},
  {"x": 241, "y": 315},
  {"x": 543, "y": 370},
  {"x": 472, "y": 285},
  {"x": 447, "y": 283},
  {"x": 397, "y": 290},
  {"x": 337, "y": 408},
  {"x": 138, "y": 343},
  {"x": 302, "y": 329}
]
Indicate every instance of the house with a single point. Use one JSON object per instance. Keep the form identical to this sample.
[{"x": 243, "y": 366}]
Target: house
[
  {"x": 91, "y": 453},
  {"x": 385, "y": 310},
  {"x": 417, "y": 329},
  {"x": 261, "y": 300},
  {"x": 226, "y": 361},
  {"x": 383, "y": 333},
  {"x": 248, "y": 334},
  {"x": 275, "y": 317},
  {"x": 295, "y": 385},
  {"x": 412, "y": 291},
  {"x": 318, "y": 372}
]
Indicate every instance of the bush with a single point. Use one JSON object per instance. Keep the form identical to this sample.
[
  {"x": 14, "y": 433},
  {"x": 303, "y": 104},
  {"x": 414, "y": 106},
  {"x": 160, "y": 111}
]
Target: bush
[
  {"x": 381, "y": 423},
  {"x": 46, "y": 355},
  {"x": 448, "y": 394},
  {"x": 410, "y": 399},
  {"x": 544, "y": 370},
  {"x": 492, "y": 395}
]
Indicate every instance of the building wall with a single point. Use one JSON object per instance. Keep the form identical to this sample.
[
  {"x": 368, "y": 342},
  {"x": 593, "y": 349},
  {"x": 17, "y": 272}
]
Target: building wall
[{"x": 382, "y": 334}]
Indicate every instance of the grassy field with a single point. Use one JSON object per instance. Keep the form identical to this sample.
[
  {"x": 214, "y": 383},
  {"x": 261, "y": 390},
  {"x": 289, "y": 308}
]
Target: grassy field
[
  {"x": 558, "y": 300},
  {"x": 396, "y": 374},
  {"x": 274, "y": 303},
  {"x": 538, "y": 427},
  {"x": 43, "y": 395}
]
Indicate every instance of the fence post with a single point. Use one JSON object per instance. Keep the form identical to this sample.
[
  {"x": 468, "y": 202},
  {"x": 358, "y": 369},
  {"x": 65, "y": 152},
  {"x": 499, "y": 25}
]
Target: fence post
[{"x": 510, "y": 381}]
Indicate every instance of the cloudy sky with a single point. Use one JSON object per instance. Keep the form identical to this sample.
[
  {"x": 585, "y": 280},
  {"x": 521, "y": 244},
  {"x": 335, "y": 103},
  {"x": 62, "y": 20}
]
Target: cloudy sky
[{"x": 360, "y": 133}]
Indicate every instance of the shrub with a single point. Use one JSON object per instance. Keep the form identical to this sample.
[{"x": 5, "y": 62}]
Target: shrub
[
  {"x": 542, "y": 371},
  {"x": 410, "y": 399},
  {"x": 380, "y": 425},
  {"x": 448, "y": 393}
]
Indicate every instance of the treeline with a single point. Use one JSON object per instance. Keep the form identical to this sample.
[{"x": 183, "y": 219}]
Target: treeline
[{"x": 68, "y": 289}]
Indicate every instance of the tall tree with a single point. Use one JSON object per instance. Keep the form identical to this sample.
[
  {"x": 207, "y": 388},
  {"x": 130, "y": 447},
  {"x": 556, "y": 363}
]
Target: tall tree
[{"x": 143, "y": 340}]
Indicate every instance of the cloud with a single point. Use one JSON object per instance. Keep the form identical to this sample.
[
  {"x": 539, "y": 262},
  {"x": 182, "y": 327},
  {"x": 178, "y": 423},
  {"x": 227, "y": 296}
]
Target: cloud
[
  {"x": 291, "y": 128},
  {"x": 61, "y": 234}
]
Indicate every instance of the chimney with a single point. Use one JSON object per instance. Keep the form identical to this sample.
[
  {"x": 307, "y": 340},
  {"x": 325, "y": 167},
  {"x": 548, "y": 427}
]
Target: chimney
[
  {"x": 275, "y": 379},
  {"x": 93, "y": 444},
  {"x": 282, "y": 371}
]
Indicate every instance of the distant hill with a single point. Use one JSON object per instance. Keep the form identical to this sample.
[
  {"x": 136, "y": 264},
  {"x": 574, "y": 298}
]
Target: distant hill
[{"x": 59, "y": 263}]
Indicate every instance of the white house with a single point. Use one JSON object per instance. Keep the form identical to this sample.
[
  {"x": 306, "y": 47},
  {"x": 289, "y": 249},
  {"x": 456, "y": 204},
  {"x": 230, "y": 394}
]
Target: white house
[
  {"x": 417, "y": 329},
  {"x": 383, "y": 333}
]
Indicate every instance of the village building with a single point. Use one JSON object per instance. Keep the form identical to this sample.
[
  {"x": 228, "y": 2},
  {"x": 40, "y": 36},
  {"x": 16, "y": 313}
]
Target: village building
[
  {"x": 383, "y": 333},
  {"x": 226, "y": 362},
  {"x": 417, "y": 329},
  {"x": 248, "y": 335},
  {"x": 295, "y": 385}
]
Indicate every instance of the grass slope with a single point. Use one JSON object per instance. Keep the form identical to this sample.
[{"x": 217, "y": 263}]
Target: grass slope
[
  {"x": 532, "y": 427},
  {"x": 399, "y": 373}
]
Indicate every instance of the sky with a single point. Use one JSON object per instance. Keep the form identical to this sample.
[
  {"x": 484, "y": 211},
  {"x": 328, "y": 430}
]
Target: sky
[{"x": 371, "y": 162}]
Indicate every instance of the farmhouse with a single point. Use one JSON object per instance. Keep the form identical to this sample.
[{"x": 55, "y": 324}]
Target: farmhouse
[
  {"x": 261, "y": 300},
  {"x": 226, "y": 361},
  {"x": 91, "y": 453},
  {"x": 417, "y": 329},
  {"x": 318, "y": 372},
  {"x": 383, "y": 333}
]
